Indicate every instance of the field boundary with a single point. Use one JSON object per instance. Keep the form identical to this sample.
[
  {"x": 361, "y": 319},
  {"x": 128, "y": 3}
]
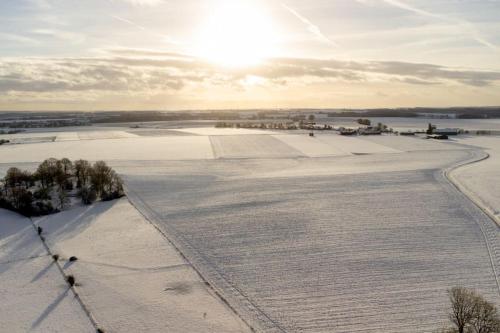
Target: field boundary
[
  {"x": 206, "y": 272},
  {"x": 488, "y": 230}
]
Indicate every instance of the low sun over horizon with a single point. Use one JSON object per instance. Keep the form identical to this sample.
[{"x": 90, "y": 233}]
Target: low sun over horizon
[{"x": 220, "y": 54}]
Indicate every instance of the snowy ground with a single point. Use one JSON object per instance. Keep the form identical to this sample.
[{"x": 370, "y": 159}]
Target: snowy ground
[
  {"x": 362, "y": 252},
  {"x": 34, "y": 295},
  {"x": 132, "y": 279},
  {"x": 298, "y": 233},
  {"x": 224, "y": 131},
  {"x": 141, "y": 148},
  {"x": 482, "y": 180},
  {"x": 405, "y": 124},
  {"x": 251, "y": 146}
]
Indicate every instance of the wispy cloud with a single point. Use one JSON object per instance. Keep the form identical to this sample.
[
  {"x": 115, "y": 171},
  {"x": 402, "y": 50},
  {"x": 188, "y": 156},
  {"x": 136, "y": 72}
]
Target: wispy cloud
[
  {"x": 165, "y": 38},
  {"x": 124, "y": 20},
  {"x": 311, "y": 27},
  {"x": 72, "y": 37},
  {"x": 18, "y": 38},
  {"x": 144, "y": 2},
  {"x": 465, "y": 26}
]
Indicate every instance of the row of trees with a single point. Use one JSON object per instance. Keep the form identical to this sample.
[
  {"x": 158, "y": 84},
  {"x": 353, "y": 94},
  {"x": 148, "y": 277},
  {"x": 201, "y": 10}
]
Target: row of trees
[
  {"x": 471, "y": 313},
  {"x": 47, "y": 190},
  {"x": 272, "y": 125}
]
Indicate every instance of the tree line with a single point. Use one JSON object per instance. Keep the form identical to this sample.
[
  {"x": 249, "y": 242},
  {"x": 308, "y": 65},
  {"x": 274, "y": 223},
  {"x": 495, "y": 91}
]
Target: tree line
[{"x": 48, "y": 189}]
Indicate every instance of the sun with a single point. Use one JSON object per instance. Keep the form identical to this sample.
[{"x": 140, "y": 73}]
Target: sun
[{"x": 236, "y": 34}]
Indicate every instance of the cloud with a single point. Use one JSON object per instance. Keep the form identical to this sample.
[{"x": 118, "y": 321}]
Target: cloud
[
  {"x": 165, "y": 38},
  {"x": 72, "y": 37},
  {"x": 121, "y": 19},
  {"x": 144, "y": 2},
  {"x": 464, "y": 26},
  {"x": 148, "y": 53},
  {"x": 312, "y": 28},
  {"x": 18, "y": 38},
  {"x": 136, "y": 72}
]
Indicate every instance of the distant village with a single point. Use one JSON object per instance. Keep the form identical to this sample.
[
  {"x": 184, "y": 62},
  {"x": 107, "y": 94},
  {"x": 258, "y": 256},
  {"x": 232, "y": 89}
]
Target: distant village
[
  {"x": 279, "y": 119},
  {"x": 366, "y": 127}
]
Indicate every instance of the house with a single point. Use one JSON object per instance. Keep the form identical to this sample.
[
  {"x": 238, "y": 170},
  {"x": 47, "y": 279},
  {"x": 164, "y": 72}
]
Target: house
[
  {"x": 370, "y": 131},
  {"x": 446, "y": 131},
  {"x": 437, "y": 136}
]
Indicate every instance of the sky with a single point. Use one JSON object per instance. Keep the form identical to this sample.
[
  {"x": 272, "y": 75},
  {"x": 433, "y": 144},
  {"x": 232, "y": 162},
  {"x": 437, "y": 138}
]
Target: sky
[{"x": 238, "y": 54}]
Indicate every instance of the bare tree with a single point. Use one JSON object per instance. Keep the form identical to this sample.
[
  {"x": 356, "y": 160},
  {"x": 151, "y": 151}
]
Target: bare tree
[
  {"x": 486, "y": 318},
  {"x": 462, "y": 307},
  {"x": 100, "y": 177},
  {"x": 472, "y": 313},
  {"x": 82, "y": 172},
  {"x": 47, "y": 171},
  {"x": 62, "y": 197},
  {"x": 67, "y": 166}
]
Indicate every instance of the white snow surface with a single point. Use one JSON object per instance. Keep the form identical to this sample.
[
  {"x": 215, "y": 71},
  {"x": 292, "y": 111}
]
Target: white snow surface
[
  {"x": 34, "y": 295},
  {"x": 482, "y": 180},
  {"x": 371, "y": 252},
  {"x": 417, "y": 143},
  {"x": 299, "y": 234},
  {"x": 355, "y": 145},
  {"x": 224, "y": 131},
  {"x": 99, "y": 135},
  {"x": 140, "y": 148},
  {"x": 251, "y": 146},
  {"x": 132, "y": 279},
  {"x": 310, "y": 146},
  {"x": 68, "y": 136}
]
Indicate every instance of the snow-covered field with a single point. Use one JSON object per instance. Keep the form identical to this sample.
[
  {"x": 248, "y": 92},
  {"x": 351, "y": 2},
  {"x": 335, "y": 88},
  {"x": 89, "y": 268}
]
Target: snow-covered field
[
  {"x": 298, "y": 233},
  {"x": 416, "y": 143},
  {"x": 311, "y": 146},
  {"x": 33, "y": 294},
  {"x": 356, "y": 145},
  {"x": 405, "y": 124},
  {"x": 224, "y": 131},
  {"x": 251, "y": 146},
  {"x": 140, "y": 148},
  {"x": 363, "y": 252},
  {"x": 482, "y": 180},
  {"x": 132, "y": 279}
]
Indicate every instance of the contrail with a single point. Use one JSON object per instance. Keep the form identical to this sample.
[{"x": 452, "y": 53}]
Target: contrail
[
  {"x": 466, "y": 26},
  {"x": 166, "y": 38},
  {"x": 312, "y": 28},
  {"x": 128, "y": 22}
]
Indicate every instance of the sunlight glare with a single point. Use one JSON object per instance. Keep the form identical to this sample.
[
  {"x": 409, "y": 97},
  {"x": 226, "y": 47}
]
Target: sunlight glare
[{"x": 237, "y": 33}]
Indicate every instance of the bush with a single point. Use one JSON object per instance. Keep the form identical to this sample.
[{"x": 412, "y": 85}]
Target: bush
[
  {"x": 71, "y": 280},
  {"x": 365, "y": 122},
  {"x": 68, "y": 185},
  {"x": 88, "y": 195},
  {"x": 43, "y": 208},
  {"x": 112, "y": 196},
  {"x": 42, "y": 194},
  {"x": 22, "y": 201}
]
